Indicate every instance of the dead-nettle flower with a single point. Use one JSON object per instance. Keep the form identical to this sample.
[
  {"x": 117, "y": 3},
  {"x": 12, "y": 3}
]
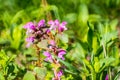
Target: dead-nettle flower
[
  {"x": 56, "y": 25},
  {"x": 48, "y": 56},
  {"x": 47, "y": 31},
  {"x": 59, "y": 74},
  {"x": 107, "y": 77},
  {"x": 40, "y": 31}
]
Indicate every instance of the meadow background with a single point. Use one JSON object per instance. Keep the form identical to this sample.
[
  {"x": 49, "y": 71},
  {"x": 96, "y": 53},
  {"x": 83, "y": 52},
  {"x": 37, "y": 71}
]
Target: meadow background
[{"x": 92, "y": 40}]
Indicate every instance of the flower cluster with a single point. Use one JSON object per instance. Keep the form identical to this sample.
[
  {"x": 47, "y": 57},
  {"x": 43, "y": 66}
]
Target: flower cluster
[
  {"x": 40, "y": 31},
  {"x": 47, "y": 31}
]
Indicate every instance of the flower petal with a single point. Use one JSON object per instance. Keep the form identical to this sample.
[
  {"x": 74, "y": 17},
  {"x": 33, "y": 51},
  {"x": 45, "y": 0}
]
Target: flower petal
[
  {"x": 61, "y": 53},
  {"x": 41, "y": 23},
  {"x": 29, "y": 25}
]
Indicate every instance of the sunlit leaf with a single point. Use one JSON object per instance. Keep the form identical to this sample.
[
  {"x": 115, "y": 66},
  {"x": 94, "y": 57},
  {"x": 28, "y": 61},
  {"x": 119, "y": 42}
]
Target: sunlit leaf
[
  {"x": 40, "y": 72},
  {"x": 71, "y": 17},
  {"x": 108, "y": 36},
  {"x": 29, "y": 76},
  {"x": 117, "y": 76}
]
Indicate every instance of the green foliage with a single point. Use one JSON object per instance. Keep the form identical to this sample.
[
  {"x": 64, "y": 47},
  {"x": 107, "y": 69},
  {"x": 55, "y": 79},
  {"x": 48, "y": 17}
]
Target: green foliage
[
  {"x": 91, "y": 41},
  {"x": 40, "y": 72},
  {"x": 29, "y": 76}
]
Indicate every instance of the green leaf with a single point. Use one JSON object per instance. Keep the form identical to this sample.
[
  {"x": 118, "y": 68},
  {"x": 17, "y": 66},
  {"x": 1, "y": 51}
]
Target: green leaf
[
  {"x": 90, "y": 25},
  {"x": 94, "y": 18},
  {"x": 17, "y": 16},
  {"x": 79, "y": 52},
  {"x": 90, "y": 38},
  {"x": 3, "y": 58},
  {"x": 82, "y": 27},
  {"x": 1, "y": 76},
  {"x": 83, "y": 14},
  {"x": 95, "y": 45},
  {"x": 6, "y": 19},
  {"x": 108, "y": 36},
  {"x": 40, "y": 72},
  {"x": 105, "y": 63},
  {"x": 10, "y": 68},
  {"x": 11, "y": 31},
  {"x": 16, "y": 35},
  {"x": 71, "y": 17},
  {"x": 99, "y": 50},
  {"x": 55, "y": 10},
  {"x": 64, "y": 38},
  {"x": 96, "y": 64},
  {"x": 117, "y": 76},
  {"x": 29, "y": 76},
  {"x": 69, "y": 66},
  {"x": 3, "y": 55},
  {"x": 113, "y": 24}
]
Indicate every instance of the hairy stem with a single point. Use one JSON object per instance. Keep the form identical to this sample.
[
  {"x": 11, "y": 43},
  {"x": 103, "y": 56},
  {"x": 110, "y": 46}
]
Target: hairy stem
[
  {"x": 48, "y": 14},
  {"x": 38, "y": 53}
]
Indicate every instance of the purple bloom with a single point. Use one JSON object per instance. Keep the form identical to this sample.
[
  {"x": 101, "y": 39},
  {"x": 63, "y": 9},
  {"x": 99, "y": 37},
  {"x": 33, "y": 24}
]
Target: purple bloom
[
  {"x": 38, "y": 32},
  {"x": 60, "y": 73},
  {"x": 29, "y": 41},
  {"x": 48, "y": 31},
  {"x": 62, "y": 27},
  {"x": 53, "y": 24},
  {"x": 29, "y": 25},
  {"x": 30, "y": 28},
  {"x": 61, "y": 53},
  {"x": 41, "y": 23},
  {"x": 56, "y": 22},
  {"x": 52, "y": 42},
  {"x": 48, "y": 55},
  {"x": 107, "y": 77}
]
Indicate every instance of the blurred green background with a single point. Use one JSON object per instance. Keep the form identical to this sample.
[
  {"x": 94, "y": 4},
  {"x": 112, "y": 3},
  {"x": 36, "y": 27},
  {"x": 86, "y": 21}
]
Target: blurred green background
[{"x": 92, "y": 39}]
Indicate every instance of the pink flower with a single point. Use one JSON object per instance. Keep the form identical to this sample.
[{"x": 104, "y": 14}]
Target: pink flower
[
  {"x": 41, "y": 23},
  {"x": 56, "y": 22},
  {"x": 53, "y": 24},
  {"x": 60, "y": 73},
  {"x": 107, "y": 77},
  {"x": 47, "y": 31},
  {"x": 62, "y": 27},
  {"x": 48, "y": 55},
  {"x": 30, "y": 28},
  {"x": 52, "y": 42},
  {"x": 61, "y": 53},
  {"x": 29, "y": 41},
  {"x": 29, "y": 25}
]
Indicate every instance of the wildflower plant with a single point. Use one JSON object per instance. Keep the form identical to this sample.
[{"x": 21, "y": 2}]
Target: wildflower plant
[
  {"x": 49, "y": 32},
  {"x": 92, "y": 42}
]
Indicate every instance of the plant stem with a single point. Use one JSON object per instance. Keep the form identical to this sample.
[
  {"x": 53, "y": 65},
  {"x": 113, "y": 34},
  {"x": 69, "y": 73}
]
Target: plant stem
[
  {"x": 38, "y": 54},
  {"x": 93, "y": 76},
  {"x": 48, "y": 14},
  {"x": 44, "y": 2},
  {"x": 110, "y": 77},
  {"x": 55, "y": 74},
  {"x": 55, "y": 70},
  {"x": 104, "y": 50}
]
